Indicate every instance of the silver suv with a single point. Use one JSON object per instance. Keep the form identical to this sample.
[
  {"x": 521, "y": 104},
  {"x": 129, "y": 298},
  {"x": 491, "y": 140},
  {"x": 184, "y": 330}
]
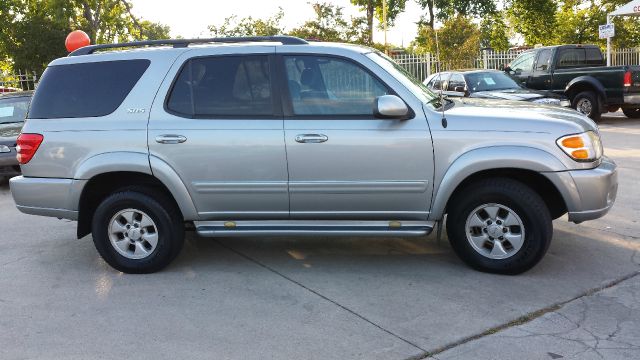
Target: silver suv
[{"x": 274, "y": 136}]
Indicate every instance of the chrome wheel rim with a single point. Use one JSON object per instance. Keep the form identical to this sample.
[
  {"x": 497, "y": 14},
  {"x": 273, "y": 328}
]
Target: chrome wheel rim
[
  {"x": 495, "y": 231},
  {"x": 584, "y": 106},
  {"x": 133, "y": 234}
]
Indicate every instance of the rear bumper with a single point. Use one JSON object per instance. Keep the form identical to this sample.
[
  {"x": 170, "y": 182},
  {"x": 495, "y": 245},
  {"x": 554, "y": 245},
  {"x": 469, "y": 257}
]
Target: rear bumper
[
  {"x": 46, "y": 196},
  {"x": 632, "y": 99}
]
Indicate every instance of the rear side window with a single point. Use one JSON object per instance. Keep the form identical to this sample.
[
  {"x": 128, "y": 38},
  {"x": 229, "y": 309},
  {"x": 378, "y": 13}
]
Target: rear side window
[
  {"x": 571, "y": 58},
  {"x": 594, "y": 57},
  {"x": 223, "y": 86},
  {"x": 85, "y": 90}
]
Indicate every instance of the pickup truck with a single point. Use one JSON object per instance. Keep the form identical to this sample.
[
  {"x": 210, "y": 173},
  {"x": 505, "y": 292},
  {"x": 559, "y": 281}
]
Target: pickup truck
[{"x": 579, "y": 72}]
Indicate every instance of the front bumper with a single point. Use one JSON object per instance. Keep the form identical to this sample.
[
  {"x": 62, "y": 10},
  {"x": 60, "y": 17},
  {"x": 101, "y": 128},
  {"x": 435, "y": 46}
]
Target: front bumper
[
  {"x": 47, "y": 196},
  {"x": 588, "y": 194},
  {"x": 598, "y": 189}
]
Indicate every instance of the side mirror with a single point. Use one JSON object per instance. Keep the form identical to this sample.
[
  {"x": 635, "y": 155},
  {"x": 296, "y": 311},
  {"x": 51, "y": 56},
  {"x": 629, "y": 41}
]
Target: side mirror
[
  {"x": 459, "y": 89},
  {"x": 390, "y": 107}
]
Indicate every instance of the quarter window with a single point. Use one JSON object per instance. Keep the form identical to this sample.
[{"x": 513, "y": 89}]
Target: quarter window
[
  {"x": 223, "y": 86},
  {"x": 330, "y": 86},
  {"x": 86, "y": 89}
]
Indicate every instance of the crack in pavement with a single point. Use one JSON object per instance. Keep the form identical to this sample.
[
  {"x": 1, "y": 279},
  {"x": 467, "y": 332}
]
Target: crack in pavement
[
  {"x": 539, "y": 313},
  {"x": 267, "y": 267}
]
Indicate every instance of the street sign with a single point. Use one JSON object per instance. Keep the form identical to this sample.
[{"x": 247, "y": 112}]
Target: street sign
[{"x": 607, "y": 31}]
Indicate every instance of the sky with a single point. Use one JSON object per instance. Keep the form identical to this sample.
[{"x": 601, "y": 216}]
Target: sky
[{"x": 190, "y": 18}]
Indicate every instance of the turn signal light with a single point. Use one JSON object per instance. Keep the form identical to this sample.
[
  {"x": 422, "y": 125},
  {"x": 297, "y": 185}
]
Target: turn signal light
[
  {"x": 582, "y": 147},
  {"x": 580, "y": 154},
  {"x": 574, "y": 142},
  {"x": 27, "y": 146}
]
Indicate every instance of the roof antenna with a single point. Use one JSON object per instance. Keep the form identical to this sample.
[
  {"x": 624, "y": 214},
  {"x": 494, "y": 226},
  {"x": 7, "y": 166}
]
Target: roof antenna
[{"x": 444, "y": 119}]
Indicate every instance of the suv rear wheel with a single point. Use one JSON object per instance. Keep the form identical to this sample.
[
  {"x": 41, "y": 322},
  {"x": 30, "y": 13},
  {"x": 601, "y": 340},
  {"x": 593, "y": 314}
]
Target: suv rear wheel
[
  {"x": 137, "y": 231},
  {"x": 499, "y": 225}
]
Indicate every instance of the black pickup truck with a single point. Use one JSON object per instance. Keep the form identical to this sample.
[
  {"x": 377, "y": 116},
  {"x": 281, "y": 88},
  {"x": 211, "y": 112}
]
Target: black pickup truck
[{"x": 579, "y": 72}]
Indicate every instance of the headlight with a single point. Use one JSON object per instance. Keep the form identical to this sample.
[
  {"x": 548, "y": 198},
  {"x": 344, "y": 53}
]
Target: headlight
[
  {"x": 584, "y": 147},
  {"x": 547, "y": 101}
]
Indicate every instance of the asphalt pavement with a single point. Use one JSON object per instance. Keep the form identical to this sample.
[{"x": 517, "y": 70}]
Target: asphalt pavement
[{"x": 326, "y": 298}]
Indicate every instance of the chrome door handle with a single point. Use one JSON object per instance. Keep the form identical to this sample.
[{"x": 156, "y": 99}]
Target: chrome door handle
[
  {"x": 170, "y": 139},
  {"x": 311, "y": 138}
]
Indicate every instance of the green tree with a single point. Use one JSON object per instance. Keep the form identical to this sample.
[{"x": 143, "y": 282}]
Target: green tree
[
  {"x": 330, "y": 24},
  {"x": 447, "y": 9},
  {"x": 249, "y": 26},
  {"x": 458, "y": 41},
  {"x": 33, "y": 32},
  {"x": 535, "y": 20},
  {"x": 374, "y": 8},
  {"x": 494, "y": 32}
]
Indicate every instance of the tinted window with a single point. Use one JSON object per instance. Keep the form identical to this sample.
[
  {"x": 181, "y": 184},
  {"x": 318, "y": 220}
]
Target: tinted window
[
  {"x": 85, "y": 90},
  {"x": 594, "y": 57},
  {"x": 13, "y": 109},
  {"x": 438, "y": 80},
  {"x": 523, "y": 62},
  {"x": 330, "y": 86},
  {"x": 489, "y": 81},
  {"x": 456, "y": 80},
  {"x": 544, "y": 60},
  {"x": 571, "y": 58},
  {"x": 223, "y": 86}
]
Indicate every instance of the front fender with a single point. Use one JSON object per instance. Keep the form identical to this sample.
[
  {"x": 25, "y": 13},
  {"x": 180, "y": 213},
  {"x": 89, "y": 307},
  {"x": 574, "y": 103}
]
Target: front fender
[{"x": 489, "y": 158}]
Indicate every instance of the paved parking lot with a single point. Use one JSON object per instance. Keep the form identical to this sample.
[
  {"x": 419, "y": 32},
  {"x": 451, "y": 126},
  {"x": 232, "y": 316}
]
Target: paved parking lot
[{"x": 319, "y": 298}]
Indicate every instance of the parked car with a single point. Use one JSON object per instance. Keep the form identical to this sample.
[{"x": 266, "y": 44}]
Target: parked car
[
  {"x": 13, "y": 109},
  {"x": 275, "y": 136},
  {"x": 579, "y": 72},
  {"x": 490, "y": 84}
]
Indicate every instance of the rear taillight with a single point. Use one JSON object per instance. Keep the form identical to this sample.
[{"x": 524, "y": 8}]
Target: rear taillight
[
  {"x": 627, "y": 78},
  {"x": 27, "y": 146}
]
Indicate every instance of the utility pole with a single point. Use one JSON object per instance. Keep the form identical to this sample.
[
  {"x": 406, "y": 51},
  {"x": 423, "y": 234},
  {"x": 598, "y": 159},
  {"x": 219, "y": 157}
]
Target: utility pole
[{"x": 384, "y": 21}]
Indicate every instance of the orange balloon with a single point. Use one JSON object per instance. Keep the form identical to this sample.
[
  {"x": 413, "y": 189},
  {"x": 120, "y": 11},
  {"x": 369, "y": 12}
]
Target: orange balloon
[{"x": 77, "y": 39}]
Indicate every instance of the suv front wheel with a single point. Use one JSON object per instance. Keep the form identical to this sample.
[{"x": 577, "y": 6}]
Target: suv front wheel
[
  {"x": 137, "y": 231},
  {"x": 500, "y": 226}
]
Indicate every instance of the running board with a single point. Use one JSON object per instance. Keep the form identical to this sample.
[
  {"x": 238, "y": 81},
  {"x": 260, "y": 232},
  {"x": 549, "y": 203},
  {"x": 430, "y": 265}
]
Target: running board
[{"x": 313, "y": 228}]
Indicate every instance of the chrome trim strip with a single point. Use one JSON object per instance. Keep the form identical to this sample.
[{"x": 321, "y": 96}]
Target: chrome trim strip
[
  {"x": 263, "y": 187},
  {"x": 355, "y": 187},
  {"x": 313, "y": 228}
]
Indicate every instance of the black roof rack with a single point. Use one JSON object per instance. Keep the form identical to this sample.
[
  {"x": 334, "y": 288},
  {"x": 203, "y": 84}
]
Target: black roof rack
[{"x": 180, "y": 43}]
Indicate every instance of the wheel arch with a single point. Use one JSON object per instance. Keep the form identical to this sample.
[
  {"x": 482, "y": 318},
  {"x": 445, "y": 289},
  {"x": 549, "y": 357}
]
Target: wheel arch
[
  {"x": 585, "y": 83},
  {"x": 523, "y": 164}
]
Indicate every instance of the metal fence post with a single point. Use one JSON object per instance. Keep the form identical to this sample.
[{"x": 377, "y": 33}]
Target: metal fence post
[{"x": 428, "y": 64}]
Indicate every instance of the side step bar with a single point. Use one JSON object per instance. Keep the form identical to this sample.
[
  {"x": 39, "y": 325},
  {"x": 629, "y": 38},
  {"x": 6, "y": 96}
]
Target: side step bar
[{"x": 313, "y": 228}]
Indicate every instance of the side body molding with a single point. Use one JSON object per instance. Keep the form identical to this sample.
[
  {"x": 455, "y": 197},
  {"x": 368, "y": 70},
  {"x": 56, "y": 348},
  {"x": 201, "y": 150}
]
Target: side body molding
[
  {"x": 163, "y": 172},
  {"x": 489, "y": 158}
]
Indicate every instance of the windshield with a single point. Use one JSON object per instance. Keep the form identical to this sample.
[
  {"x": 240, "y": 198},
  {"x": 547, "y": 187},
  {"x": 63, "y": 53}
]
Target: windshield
[
  {"x": 490, "y": 81},
  {"x": 13, "y": 109},
  {"x": 415, "y": 85}
]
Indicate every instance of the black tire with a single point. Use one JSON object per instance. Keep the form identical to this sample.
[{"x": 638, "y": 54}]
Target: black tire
[
  {"x": 632, "y": 113},
  {"x": 525, "y": 202},
  {"x": 592, "y": 98},
  {"x": 163, "y": 212}
]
